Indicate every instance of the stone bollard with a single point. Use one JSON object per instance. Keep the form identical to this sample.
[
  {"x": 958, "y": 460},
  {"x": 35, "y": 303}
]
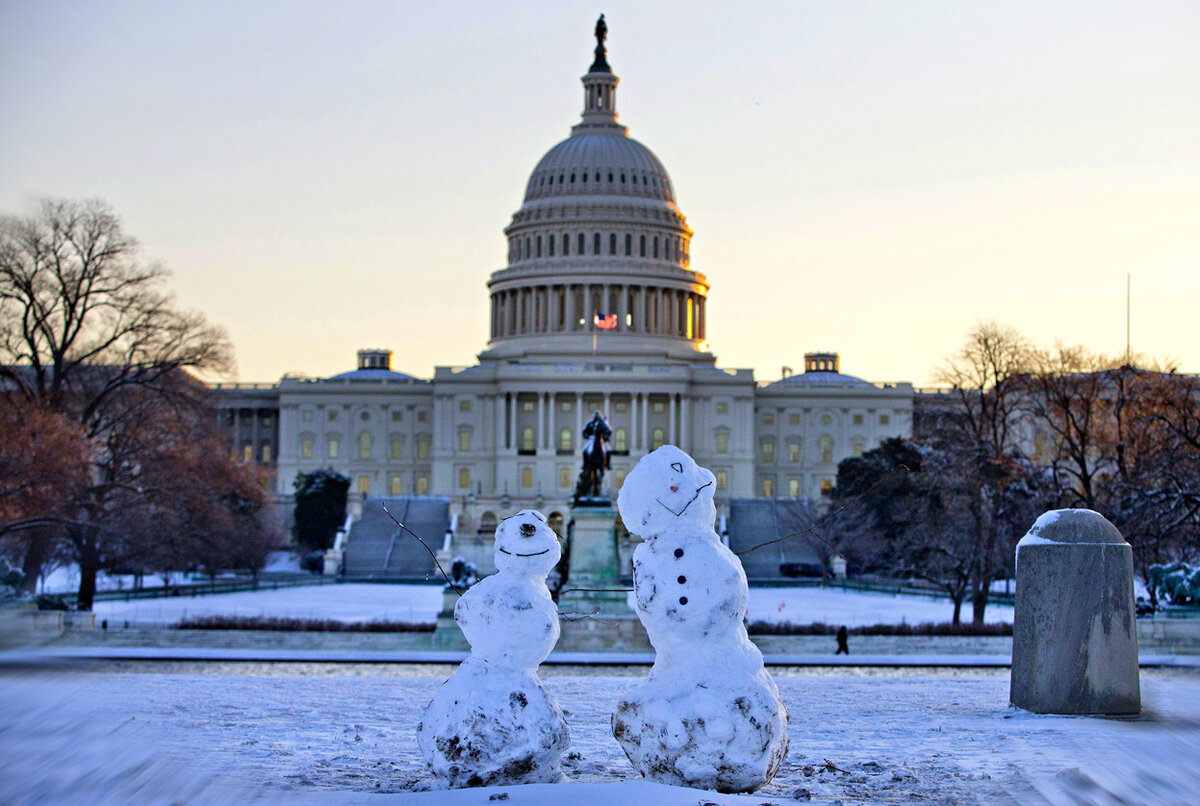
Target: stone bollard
[{"x": 1074, "y": 630}]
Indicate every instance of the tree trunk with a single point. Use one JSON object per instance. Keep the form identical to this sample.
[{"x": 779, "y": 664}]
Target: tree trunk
[
  {"x": 979, "y": 604},
  {"x": 89, "y": 567},
  {"x": 37, "y": 548},
  {"x": 958, "y": 601}
]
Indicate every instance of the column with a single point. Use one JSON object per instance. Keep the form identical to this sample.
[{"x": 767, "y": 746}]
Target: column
[
  {"x": 671, "y": 420},
  {"x": 512, "y": 421},
  {"x": 572, "y": 313},
  {"x": 254, "y": 435},
  {"x": 623, "y": 309},
  {"x": 578, "y": 417},
  {"x": 540, "y": 431},
  {"x": 634, "y": 436},
  {"x": 645, "y": 421},
  {"x": 684, "y": 408},
  {"x": 607, "y": 405}
]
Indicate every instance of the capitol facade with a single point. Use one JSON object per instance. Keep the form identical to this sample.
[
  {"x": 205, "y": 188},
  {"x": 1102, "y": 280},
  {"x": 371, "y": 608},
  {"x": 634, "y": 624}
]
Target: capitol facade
[{"x": 598, "y": 309}]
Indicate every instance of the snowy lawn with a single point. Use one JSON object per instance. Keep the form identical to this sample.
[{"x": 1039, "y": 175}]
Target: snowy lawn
[
  {"x": 158, "y": 733},
  {"x": 421, "y": 603}
]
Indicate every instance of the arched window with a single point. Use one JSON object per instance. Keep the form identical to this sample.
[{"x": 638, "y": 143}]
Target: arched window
[
  {"x": 658, "y": 439},
  {"x": 527, "y": 439},
  {"x": 539, "y": 246},
  {"x": 555, "y": 522},
  {"x": 332, "y": 446},
  {"x": 610, "y": 177},
  {"x": 643, "y": 246},
  {"x": 584, "y": 177},
  {"x": 565, "y": 440},
  {"x": 622, "y": 179},
  {"x": 596, "y": 244},
  {"x": 582, "y": 244},
  {"x": 656, "y": 246},
  {"x": 566, "y": 244},
  {"x": 396, "y": 446},
  {"x": 572, "y": 179},
  {"x": 628, "y": 244},
  {"x": 619, "y": 440},
  {"x": 612, "y": 243},
  {"x": 487, "y": 523},
  {"x": 826, "y": 448},
  {"x": 364, "y": 445},
  {"x": 550, "y": 243}
]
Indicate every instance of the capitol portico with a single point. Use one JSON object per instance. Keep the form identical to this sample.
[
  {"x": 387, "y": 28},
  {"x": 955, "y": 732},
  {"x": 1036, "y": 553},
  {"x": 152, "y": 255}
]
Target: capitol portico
[{"x": 598, "y": 308}]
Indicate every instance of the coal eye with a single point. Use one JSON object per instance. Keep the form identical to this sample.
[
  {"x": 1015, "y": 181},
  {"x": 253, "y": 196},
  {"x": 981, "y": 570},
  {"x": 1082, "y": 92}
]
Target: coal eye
[{"x": 678, "y": 552}]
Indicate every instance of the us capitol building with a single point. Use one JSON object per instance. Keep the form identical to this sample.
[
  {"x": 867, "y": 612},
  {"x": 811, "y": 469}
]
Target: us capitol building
[{"x": 597, "y": 309}]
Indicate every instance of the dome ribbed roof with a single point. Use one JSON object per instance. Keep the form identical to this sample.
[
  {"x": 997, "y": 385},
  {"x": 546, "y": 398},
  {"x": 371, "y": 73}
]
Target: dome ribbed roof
[{"x": 602, "y": 164}]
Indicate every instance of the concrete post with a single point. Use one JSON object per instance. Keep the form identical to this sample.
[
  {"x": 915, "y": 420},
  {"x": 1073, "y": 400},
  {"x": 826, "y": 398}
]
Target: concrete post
[{"x": 1074, "y": 630}]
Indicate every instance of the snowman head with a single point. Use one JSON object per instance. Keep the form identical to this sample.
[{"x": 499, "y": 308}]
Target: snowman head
[
  {"x": 665, "y": 491},
  {"x": 525, "y": 545}
]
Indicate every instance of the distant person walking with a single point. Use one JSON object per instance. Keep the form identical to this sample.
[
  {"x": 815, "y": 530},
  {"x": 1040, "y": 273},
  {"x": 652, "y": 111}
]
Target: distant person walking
[{"x": 842, "y": 635}]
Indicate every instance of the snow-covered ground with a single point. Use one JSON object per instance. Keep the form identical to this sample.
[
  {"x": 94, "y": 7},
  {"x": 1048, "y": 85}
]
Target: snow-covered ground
[
  {"x": 421, "y": 603},
  {"x": 324, "y": 734}
]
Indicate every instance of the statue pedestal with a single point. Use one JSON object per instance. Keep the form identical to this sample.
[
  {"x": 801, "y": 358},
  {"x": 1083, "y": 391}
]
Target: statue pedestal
[{"x": 594, "y": 563}]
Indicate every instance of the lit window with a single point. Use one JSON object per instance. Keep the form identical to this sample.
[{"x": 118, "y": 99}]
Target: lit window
[
  {"x": 395, "y": 484},
  {"x": 565, "y": 441},
  {"x": 722, "y": 479},
  {"x": 722, "y": 442},
  {"x": 794, "y": 419},
  {"x": 826, "y": 448},
  {"x": 659, "y": 407},
  {"x": 826, "y": 486},
  {"x": 566, "y": 405},
  {"x": 364, "y": 485},
  {"x": 422, "y": 484},
  {"x": 464, "y": 405},
  {"x": 306, "y": 448},
  {"x": 621, "y": 406},
  {"x": 564, "y": 477},
  {"x": 364, "y": 445},
  {"x": 618, "y": 477},
  {"x": 331, "y": 448},
  {"x": 620, "y": 440},
  {"x": 793, "y": 488},
  {"x": 464, "y": 478},
  {"x": 858, "y": 419},
  {"x": 857, "y": 448},
  {"x": 768, "y": 419},
  {"x": 247, "y": 453},
  {"x": 464, "y": 440},
  {"x": 266, "y": 454},
  {"x": 768, "y": 450},
  {"x": 768, "y": 487},
  {"x": 793, "y": 451},
  {"x": 526, "y": 405},
  {"x": 527, "y": 477},
  {"x": 659, "y": 439},
  {"x": 422, "y": 447},
  {"x": 722, "y": 408},
  {"x": 884, "y": 419},
  {"x": 396, "y": 447},
  {"x": 527, "y": 439}
]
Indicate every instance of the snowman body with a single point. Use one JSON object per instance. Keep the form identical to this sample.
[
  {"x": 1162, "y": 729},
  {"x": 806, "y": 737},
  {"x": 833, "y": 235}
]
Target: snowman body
[
  {"x": 494, "y": 722},
  {"x": 708, "y": 715}
]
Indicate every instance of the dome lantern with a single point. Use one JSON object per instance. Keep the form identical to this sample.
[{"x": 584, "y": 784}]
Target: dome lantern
[{"x": 599, "y": 93}]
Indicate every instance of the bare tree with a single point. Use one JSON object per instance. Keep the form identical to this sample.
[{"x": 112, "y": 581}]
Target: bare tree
[
  {"x": 988, "y": 375},
  {"x": 89, "y": 332}
]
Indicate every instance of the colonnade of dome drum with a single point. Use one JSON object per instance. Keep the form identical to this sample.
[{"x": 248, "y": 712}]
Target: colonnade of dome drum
[{"x": 572, "y": 307}]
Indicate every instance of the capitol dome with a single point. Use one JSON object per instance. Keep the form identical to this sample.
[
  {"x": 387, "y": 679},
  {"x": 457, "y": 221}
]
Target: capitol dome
[{"x": 598, "y": 253}]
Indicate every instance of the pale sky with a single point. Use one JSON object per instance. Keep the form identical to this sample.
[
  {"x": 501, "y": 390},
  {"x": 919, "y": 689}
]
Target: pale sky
[{"x": 872, "y": 178}]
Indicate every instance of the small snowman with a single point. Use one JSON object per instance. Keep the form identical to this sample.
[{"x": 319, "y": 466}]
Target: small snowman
[
  {"x": 493, "y": 722},
  {"x": 708, "y": 715}
]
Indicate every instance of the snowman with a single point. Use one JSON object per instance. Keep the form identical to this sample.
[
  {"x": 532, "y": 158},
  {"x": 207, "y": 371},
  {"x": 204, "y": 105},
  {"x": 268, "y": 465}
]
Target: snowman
[
  {"x": 708, "y": 715},
  {"x": 493, "y": 722}
]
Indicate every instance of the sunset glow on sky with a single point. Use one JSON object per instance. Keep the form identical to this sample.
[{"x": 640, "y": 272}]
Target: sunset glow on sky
[{"x": 871, "y": 178}]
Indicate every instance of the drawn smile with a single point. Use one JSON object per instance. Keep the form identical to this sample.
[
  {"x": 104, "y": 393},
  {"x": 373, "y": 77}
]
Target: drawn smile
[
  {"x": 685, "y": 506},
  {"x": 515, "y": 554}
]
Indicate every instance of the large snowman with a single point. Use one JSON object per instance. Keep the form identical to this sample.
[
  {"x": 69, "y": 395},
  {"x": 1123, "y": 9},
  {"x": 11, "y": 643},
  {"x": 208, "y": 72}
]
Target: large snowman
[
  {"x": 708, "y": 715},
  {"x": 494, "y": 722}
]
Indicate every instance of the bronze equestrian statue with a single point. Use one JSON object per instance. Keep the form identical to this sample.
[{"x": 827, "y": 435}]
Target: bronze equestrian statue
[{"x": 597, "y": 457}]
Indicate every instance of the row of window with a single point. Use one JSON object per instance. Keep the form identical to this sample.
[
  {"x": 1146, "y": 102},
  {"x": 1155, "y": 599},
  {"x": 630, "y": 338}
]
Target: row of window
[
  {"x": 672, "y": 247},
  {"x": 793, "y": 490},
  {"x": 767, "y": 446},
  {"x": 583, "y": 179},
  {"x": 366, "y": 443},
  {"x": 826, "y": 419},
  {"x": 264, "y": 453},
  {"x": 395, "y": 484},
  {"x": 397, "y": 415}
]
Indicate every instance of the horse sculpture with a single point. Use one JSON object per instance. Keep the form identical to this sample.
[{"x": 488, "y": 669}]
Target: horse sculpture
[{"x": 596, "y": 457}]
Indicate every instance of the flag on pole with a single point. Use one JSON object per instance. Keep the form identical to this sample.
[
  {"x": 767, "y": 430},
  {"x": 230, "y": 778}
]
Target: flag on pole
[{"x": 608, "y": 322}]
